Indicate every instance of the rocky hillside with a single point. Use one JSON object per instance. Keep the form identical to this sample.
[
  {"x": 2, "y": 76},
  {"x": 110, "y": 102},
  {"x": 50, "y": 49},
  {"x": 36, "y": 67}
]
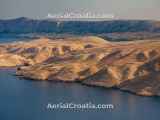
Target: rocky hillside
[
  {"x": 131, "y": 66},
  {"x": 39, "y": 50}
]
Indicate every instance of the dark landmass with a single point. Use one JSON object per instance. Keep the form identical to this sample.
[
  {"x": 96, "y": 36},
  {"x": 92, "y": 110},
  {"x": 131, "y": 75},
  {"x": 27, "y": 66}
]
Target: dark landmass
[{"x": 110, "y": 30}]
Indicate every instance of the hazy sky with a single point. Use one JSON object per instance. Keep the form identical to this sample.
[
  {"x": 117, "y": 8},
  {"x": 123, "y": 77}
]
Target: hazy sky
[{"x": 122, "y": 9}]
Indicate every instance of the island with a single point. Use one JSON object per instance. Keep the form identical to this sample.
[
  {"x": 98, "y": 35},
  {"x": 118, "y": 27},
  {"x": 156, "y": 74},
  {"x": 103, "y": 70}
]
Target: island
[{"x": 132, "y": 66}]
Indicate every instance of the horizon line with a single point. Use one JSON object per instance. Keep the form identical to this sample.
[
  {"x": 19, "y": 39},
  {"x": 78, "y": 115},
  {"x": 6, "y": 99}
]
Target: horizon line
[{"x": 79, "y": 19}]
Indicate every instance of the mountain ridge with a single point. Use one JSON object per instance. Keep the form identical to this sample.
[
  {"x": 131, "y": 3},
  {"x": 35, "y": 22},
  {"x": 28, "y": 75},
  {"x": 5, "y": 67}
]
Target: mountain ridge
[{"x": 27, "y": 25}]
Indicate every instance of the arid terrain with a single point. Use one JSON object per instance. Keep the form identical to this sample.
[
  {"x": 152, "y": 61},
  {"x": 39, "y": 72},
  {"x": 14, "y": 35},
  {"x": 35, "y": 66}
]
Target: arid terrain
[{"x": 130, "y": 66}]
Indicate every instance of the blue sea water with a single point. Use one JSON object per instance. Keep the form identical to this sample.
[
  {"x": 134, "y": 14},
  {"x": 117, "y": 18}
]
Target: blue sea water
[
  {"x": 7, "y": 38},
  {"x": 27, "y": 100},
  {"x": 22, "y": 99}
]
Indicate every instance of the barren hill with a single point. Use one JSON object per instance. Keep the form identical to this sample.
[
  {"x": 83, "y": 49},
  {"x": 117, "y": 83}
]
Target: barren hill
[{"x": 131, "y": 66}]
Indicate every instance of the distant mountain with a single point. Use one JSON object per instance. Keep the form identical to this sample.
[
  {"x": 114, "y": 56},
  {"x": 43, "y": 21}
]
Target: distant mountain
[{"x": 25, "y": 25}]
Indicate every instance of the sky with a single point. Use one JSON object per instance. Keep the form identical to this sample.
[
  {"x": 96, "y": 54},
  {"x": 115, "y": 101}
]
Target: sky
[{"x": 121, "y": 9}]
